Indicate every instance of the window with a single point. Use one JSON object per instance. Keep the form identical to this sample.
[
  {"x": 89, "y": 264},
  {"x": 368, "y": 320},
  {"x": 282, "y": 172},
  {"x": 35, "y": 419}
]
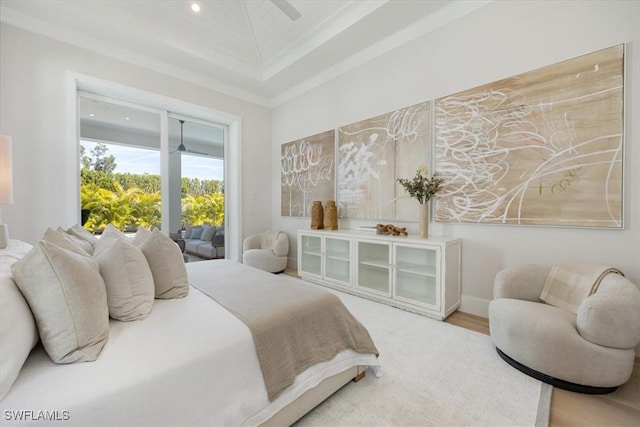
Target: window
[{"x": 120, "y": 167}]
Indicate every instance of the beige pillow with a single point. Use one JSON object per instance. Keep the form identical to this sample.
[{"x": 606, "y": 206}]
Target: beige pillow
[
  {"x": 82, "y": 244},
  {"x": 81, "y": 233},
  {"x": 167, "y": 266},
  {"x": 569, "y": 284},
  {"x": 63, "y": 240},
  {"x": 111, "y": 229},
  {"x": 105, "y": 242},
  {"x": 68, "y": 299},
  {"x": 208, "y": 233},
  {"x": 141, "y": 235},
  {"x": 128, "y": 280}
]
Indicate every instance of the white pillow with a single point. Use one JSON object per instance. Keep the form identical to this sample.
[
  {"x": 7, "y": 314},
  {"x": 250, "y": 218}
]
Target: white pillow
[
  {"x": 18, "y": 332},
  {"x": 128, "y": 280},
  {"x": 167, "y": 266},
  {"x": 63, "y": 240},
  {"x": 82, "y": 234},
  {"x": 68, "y": 300}
]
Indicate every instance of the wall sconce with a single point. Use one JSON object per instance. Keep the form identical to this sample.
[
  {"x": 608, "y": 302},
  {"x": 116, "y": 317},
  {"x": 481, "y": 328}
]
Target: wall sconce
[{"x": 6, "y": 185}]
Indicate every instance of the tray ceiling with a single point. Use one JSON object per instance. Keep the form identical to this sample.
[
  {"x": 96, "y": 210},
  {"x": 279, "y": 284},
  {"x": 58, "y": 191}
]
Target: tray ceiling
[{"x": 249, "y": 49}]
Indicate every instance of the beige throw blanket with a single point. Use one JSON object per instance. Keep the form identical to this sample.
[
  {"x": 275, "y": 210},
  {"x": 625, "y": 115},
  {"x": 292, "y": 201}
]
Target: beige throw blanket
[
  {"x": 294, "y": 326},
  {"x": 567, "y": 285}
]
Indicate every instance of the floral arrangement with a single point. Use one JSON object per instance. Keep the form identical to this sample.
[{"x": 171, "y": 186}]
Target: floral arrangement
[{"x": 422, "y": 187}]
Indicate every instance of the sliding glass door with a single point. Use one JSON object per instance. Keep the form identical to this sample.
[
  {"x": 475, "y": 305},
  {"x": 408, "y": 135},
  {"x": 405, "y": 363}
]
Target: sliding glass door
[
  {"x": 119, "y": 165},
  {"x": 127, "y": 179},
  {"x": 196, "y": 151}
]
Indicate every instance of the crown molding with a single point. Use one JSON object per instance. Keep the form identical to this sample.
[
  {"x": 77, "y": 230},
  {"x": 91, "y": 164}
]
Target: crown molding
[
  {"x": 425, "y": 25},
  {"x": 257, "y": 81}
]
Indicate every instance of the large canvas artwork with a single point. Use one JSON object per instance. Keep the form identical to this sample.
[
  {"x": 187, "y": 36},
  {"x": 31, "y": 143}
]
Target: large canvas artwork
[
  {"x": 541, "y": 148},
  {"x": 307, "y": 173},
  {"x": 372, "y": 153}
]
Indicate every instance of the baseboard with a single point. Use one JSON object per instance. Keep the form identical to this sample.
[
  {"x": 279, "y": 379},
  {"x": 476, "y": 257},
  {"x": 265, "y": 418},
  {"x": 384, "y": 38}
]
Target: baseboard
[{"x": 473, "y": 305}]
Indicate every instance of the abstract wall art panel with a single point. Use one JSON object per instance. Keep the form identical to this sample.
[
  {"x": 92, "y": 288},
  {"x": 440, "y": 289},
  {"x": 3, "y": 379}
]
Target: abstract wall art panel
[
  {"x": 307, "y": 173},
  {"x": 541, "y": 148},
  {"x": 372, "y": 154}
]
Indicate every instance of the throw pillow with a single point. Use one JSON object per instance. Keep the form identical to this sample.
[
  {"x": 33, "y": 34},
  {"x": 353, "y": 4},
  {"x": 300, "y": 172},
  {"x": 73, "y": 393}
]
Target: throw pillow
[
  {"x": 105, "y": 242},
  {"x": 63, "y": 240},
  {"x": 82, "y": 244},
  {"x": 68, "y": 300},
  {"x": 81, "y": 233},
  {"x": 128, "y": 281},
  {"x": 207, "y": 233},
  {"x": 568, "y": 284},
  {"x": 167, "y": 266},
  {"x": 111, "y": 229},
  {"x": 196, "y": 233},
  {"x": 18, "y": 332},
  {"x": 141, "y": 235}
]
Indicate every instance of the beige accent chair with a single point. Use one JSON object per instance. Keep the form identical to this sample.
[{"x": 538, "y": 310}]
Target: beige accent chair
[
  {"x": 267, "y": 251},
  {"x": 591, "y": 352}
]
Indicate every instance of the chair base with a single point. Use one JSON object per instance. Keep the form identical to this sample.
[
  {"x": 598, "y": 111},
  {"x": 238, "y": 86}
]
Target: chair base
[{"x": 565, "y": 385}]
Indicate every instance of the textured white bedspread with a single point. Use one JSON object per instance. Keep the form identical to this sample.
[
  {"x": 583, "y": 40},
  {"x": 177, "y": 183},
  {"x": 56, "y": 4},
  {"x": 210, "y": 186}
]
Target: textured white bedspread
[{"x": 191, "y": 362}]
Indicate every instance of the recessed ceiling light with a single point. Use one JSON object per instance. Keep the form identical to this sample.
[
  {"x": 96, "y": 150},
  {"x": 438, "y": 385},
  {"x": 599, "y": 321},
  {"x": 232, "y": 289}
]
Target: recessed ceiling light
[
  {"x": 195, "y": 7},
  {"x": 91, "y": 115},
  {"x": 127, "y": 118}
]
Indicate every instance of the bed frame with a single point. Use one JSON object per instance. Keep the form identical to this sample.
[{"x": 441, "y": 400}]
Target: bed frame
[{"x": 313, "y": 397}]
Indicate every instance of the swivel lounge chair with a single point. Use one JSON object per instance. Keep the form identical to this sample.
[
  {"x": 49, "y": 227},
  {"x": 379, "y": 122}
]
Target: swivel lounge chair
[
  {"x": 267, "y": 251},
  {"x": 588, "y": 349}
]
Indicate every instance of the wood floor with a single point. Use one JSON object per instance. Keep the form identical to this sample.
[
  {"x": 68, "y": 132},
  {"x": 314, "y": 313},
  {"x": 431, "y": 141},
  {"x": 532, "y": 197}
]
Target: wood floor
[{"x": 620, "y": 408}]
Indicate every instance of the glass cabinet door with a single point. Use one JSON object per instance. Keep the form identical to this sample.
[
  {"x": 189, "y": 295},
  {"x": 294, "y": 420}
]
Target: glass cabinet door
[
  {"x": 415, "y": 275},
  {"x": 374, "y": 267},
  {"x": 337, "y": 260},
  {"x": 311, "y": 255}
]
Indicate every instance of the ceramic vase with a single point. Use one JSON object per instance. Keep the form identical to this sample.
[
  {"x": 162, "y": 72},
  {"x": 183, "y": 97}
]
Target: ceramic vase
[
  {"x": 317, "y": 215},
  {"x": 331, "y": 216},
  {"x": 424, "y": 220}
]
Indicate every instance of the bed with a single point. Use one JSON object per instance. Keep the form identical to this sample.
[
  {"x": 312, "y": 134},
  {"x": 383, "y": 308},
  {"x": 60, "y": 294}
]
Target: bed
[{"x": 190, "y": 362}]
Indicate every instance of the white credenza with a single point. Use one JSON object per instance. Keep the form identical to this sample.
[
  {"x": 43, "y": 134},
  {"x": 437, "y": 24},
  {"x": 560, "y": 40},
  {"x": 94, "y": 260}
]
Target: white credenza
[{"x": 409, "y": 272}]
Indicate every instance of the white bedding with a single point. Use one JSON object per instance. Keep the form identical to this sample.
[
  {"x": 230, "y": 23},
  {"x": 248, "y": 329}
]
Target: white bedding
[{"x": 191, "y": 362}]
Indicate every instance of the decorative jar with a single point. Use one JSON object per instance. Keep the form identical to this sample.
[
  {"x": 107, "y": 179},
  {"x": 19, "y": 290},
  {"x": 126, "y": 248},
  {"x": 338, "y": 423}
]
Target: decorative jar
[
  {"x": 331, "y": 217},
  {"x": 317, "y": 215}
]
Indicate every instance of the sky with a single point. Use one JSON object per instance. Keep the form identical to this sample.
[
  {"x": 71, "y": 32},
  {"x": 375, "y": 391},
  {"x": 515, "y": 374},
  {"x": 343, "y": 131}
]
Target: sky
[{"x": 140, "y": 161}]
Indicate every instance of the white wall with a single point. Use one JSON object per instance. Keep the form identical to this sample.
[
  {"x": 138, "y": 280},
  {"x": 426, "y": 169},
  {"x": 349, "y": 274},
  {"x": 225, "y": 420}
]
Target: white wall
[
  {"x": 33, "y": 97},
  {"x": 497, "y": 41}
]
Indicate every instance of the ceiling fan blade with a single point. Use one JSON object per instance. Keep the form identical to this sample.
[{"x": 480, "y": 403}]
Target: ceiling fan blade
[
  {"x": 183, "y": 148},
  {"x": 287, "y": 9},
  {"x": 197, "y": 152}
]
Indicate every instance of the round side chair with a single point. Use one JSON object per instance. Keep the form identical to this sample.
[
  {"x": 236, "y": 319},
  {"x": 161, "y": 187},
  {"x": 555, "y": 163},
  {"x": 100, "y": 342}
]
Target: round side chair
[
  {"x": 267, "y": 251},
  {"x": 590, "y": 351}
]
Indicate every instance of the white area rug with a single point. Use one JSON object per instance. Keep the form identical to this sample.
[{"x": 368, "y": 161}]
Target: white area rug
[{"x": 435, "y": 374}]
